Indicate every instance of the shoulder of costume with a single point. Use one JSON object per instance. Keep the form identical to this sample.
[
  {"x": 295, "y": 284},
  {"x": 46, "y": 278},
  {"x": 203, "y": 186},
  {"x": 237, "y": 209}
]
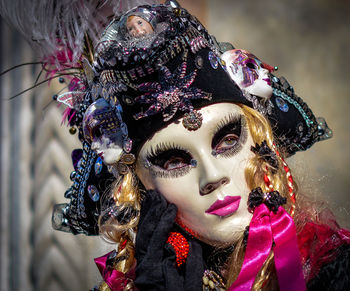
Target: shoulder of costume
[
  {"x": 334, "y": 275},
  {"x": 325, "y": 253}
]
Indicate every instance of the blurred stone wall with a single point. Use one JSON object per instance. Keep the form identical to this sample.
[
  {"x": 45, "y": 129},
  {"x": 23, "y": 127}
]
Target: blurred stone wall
[
  {"x": 310, "y": 43},
  {"x": 35, "y": 165}
]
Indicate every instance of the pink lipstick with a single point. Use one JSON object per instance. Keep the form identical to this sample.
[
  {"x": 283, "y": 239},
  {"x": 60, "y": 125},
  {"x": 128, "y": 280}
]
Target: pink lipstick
[
  {"x": 224, "y": 207},
  {"x": 268, "y": 81}
]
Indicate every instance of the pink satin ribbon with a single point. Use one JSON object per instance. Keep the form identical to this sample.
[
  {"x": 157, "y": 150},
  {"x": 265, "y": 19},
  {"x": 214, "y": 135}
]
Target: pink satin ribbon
[
  {"x": 114, "y": 279},
  {"x": 265, "y": 228}
]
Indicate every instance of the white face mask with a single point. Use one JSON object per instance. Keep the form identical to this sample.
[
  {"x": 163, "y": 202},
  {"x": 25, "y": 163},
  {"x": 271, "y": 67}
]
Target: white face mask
[
  {"x": 248, "y": 72},
  {"x": 202, "y": 172}
]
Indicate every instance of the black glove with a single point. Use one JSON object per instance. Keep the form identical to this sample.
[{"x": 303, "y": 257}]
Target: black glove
[
  {"x": 156, "y": 260},
  {"x": 156, "y": 221}
]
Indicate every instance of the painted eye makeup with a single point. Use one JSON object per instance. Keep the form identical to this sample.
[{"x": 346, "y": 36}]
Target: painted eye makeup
[
  {"x": 229, "y": 136},
  {"x": 169, "y": 161}
]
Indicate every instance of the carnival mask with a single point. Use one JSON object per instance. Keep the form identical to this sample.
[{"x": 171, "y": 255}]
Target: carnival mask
[
  {"x": 249, "y": 73},
  {"x": 203, "y": 172},
  {"x": 101, "y": 128}
]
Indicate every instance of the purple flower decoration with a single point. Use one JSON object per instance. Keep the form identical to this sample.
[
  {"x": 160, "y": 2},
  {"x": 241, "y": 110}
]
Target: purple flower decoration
[{"x": 172, "y": 93}]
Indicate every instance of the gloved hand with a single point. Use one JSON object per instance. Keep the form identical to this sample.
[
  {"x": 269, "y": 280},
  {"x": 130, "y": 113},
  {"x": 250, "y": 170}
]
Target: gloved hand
[
  {"x": 156, "y": 221},
  {"x": 156, "y": 259}
]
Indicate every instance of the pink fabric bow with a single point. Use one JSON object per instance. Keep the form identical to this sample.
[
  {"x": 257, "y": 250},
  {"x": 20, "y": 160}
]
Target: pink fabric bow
[
  {"x": 116, "y": 280},
  {"x": 266, "y": 228}
]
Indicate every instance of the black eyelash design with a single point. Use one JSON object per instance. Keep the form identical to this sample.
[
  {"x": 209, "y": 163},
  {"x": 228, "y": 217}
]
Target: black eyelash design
[
  {"x": 153, "y": 153},
  {"x": 161, "y": 148},
  {"x": 157, "y": 171},
  {"x": 175, "y": 173},
  {"x": 228, "y": 120}
]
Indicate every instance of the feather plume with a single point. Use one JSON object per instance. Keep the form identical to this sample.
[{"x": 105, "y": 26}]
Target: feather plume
[{"x": 56, "y": 26}]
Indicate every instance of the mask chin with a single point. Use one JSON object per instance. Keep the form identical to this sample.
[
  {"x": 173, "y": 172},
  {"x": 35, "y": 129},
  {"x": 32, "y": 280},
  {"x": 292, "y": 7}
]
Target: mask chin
[
  {"x": 110, "y": 155},
  {"x": 260, "y": 88}
]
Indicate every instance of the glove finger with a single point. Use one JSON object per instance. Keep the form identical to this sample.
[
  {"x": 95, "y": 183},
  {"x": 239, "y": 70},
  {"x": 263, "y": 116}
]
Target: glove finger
[
  {"x": 149, "y": 271},
  {"x": 194, "y": 267},
  {"x": 152, "y": 209},
  {"x": 161, "y": 232},
  {"x": 173, "y": 280}
]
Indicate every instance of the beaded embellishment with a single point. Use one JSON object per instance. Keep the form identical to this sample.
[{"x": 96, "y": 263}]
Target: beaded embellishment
[
  {"x": 180, "y": 245},
  {"x": 192, "y": 120},
  {"x": 212, "y": 281},
  {"x": 172, "y": 93}
]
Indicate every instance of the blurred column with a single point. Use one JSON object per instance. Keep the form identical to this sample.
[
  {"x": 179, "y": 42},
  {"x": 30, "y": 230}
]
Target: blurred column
[
  {"x": 16, "y": 151},
  {"x": 35, "y": 167}
]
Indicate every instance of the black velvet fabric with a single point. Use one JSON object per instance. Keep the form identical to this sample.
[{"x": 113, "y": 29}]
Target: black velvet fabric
[
  {"x": 156, "y": 260},
  {"x": 335, "y": 275}
]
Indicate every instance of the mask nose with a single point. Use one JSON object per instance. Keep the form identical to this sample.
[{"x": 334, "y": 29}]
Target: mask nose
[
  {"x": 139, "y": 31},
  {"x": 211, "y": 186}
]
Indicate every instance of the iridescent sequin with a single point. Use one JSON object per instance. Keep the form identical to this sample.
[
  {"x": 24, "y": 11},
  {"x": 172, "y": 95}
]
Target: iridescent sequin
[
  {"x": 93, "y": 193},
  {"x": 98, "y": 166},
  {"x": 213, "y": 60},
  {"x": 282, "y": 105},
  {"x": 297, "y": 105}
]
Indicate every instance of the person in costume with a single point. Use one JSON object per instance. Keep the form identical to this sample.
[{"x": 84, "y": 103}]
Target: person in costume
[
  {"x": 183, "y": 164},
  {"x": 203, "y": 197}
]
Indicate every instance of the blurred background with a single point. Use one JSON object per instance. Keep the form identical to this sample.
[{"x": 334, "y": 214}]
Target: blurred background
[{"x": 308, "y": 40}]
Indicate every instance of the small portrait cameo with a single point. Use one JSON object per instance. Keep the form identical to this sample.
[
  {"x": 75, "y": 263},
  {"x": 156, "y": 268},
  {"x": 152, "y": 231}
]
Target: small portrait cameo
[{"x": 137, "y": 26}]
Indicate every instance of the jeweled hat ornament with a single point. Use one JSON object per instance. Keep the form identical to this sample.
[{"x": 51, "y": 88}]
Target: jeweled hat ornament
[{"x": 140, "y": 82}]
